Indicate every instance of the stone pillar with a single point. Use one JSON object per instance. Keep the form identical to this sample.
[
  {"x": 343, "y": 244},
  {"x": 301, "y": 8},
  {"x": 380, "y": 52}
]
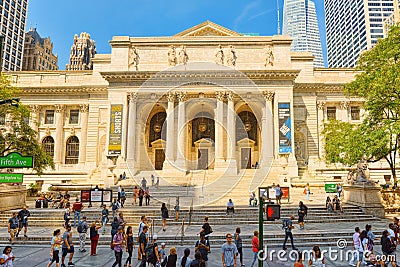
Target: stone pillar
[
  {"x": 169, "y": 150},
  {"x": 344, "y": 108},
  {"x": 131, "y": 138},
  {"x": 219, "y": 142},
  {"x": 267, "y": 133},
  {"x": 84, "y": 110},
  {"x": 59, "y": 140},
  {"x": 181, "y": 141},
  {"x": 231, "y": 121},
  {"x": 35, "y": 118},
  {"x": 320, "y": 107}
]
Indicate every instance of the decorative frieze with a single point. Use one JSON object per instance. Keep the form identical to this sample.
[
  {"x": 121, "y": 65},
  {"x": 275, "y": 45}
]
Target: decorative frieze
[
  {"x": 320, "y": 105},
  {"x": 181, "y": 96},
  {"x": 59, "y": 108},
  {"x": 84, "y": 108},
  {"x": 269, "y": 95},
  {"x": 220, "y": 95},
  {"x": 134, "y": 58},
  {"x": 35, "y": 108},
  {"x": 171, "y": 97},
  {"x": 132, "y": 97},
  {"x": 344, "y": 105}
]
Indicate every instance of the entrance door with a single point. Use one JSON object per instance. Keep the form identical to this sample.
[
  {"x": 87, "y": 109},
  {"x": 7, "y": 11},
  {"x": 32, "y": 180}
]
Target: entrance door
[
  {"x": 202, "y": 160},
  {"x": 246, "y": 158},
  {"x": 159, "y": 160}
]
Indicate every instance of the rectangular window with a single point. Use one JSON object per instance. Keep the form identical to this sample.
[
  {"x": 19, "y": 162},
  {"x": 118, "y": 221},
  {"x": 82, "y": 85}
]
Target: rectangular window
[
  {"x": 355, "y": 113},
  {"x": 49, "y": 117},
  {"x": 331, "y": 113},
  {"x": 73, "y": 116}
]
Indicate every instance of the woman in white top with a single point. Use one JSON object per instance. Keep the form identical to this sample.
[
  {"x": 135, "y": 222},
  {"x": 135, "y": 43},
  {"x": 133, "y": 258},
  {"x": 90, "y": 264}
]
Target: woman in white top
[
  {"x": 6, "y": 260},
  {"x": 316, "y": 258}
]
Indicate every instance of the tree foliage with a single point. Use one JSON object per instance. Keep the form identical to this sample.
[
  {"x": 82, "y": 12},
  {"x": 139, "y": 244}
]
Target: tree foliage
[{"x": 15, "y": 133}]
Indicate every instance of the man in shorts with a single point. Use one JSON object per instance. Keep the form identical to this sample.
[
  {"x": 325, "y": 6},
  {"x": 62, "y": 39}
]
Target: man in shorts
[
  {"x": 13, "y": 227},
  {"x": 23, "y": 220},
  {"x": 67, "y": 247}
]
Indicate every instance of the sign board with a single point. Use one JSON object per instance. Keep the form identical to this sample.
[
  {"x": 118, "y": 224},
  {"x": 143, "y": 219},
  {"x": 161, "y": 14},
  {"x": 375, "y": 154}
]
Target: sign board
[
  {"x": 107, "y": 196},
  {"x": 16, "y": 160},
  {"x": 285, "y": 128},
  {"x": 85, "y": 195},
  {"x": 96, "y": 195},
  {"x": 273, "y": 212},
  {"x": 270, "y": 193},
  {"x": 115, "y": 135},
  {"x": 11, "y": 177},
  {"x": 330, "y": 188}
]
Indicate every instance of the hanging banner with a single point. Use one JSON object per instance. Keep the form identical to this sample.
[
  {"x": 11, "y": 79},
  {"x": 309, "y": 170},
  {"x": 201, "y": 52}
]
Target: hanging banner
[
  {"x": 285, "y": 131},
  {"x": 115, "y": 135}
]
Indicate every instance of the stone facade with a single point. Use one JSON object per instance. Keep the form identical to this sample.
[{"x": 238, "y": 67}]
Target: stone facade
[
  {"x": 83, "y": 51},
  {"x": 190, "y": 112}
]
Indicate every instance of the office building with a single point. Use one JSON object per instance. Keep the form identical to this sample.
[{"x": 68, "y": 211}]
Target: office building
[
  {"x": 301, "y": 24},
  {"x": 13, "y": 18},
  {"x": 38, "y": 52},
  {"x": 82, "y": 52}
]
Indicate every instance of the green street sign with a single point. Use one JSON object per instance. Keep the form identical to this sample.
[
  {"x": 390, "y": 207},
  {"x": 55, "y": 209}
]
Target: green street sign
[
  {"x": 330, "y": 188},
  {"x": 16, "y": 160},
  {"x": 11, "y": 177}
]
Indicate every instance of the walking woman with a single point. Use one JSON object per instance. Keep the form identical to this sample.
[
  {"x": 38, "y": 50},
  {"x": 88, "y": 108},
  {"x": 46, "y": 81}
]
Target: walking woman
[
  {"x": 239, "y": 245},
  {"x": 135, "y": 194},
  {"x": 317, "y": 259},
  {"x": 170, "y": 260},
  {"x": 7, "y": 258},
  {"x": 130, "y": 245},
  {"x": 55, "y": 248},
  {"x": 118, "y": 242},
  {"x": 254, "y": 247},
  {"x": 94, "y": 238},
  {"x": 164, "y": 215},
  {"x": 114, "y": 227}
]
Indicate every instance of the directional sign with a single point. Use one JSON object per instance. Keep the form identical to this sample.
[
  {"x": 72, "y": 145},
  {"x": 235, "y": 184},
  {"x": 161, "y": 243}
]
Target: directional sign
[
  {"x": 11, "y": 177},
  {"x": 16, "y": 160}
]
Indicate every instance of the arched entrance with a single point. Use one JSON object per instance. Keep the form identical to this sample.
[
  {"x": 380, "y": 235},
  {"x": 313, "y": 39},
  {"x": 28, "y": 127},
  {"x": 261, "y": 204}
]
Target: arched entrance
[
  {"x": 247, "y": 139},
  {"x": 157, "y": 137}
]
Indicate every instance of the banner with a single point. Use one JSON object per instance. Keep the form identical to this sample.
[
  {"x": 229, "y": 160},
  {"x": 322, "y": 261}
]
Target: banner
[
  {"x": 115, "y": 135},
  {"x": 285, "y": 131}
]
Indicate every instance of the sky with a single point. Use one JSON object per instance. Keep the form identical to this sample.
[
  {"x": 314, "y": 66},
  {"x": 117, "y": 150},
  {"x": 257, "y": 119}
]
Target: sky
[{"x": 61, "y": 20}]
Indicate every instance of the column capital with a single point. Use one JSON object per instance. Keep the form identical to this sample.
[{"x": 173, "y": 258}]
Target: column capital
[
  {"x": 344, "y": 105},
  {"x": 269, "y": 95},
  {"x": 35, "y": 108},
  {"x": 170, "y": 97},
  {"x": 84, "y": 108},
  {"x": 181, "y": 95},
  {"x": 320, "y": 104},
  {"x": 229, "y": 95},
  {"x": 132, "y": 97},
  {"x": 59, "y": 108},
  {"x": 219, "y": 95}
]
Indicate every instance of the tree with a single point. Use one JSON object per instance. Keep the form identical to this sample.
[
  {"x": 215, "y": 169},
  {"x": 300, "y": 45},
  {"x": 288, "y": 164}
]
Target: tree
[
  {"x": 15, "y": 133},
  {"x": 378, "y": 83}
]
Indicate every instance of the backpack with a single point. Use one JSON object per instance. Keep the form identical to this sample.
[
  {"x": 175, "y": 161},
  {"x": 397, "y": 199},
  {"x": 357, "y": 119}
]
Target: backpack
[
  {"x": 370, "y": 244},
  {"x": 150, "y": 255},
  {"x": 285, "y": 224},
  {"x": 80, "y": 227}
]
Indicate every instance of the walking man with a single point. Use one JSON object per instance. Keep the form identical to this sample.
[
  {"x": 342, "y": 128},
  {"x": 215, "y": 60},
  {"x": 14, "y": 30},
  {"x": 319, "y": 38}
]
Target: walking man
[
  {"x": 278, "y": 194},
  {"x": 82, "y": 229},
  {"x": 67, "y": 247},
  {"x": 144, "y": 183},
  {"x": 23, "y": 220},
  {"x": 13, "y": 227},
  {"x": 356, "y": 246},
  {"x": 142, "y": 245},
  {"x": 104, "y": 218},
  {"x": 77, "y": 208},
  {"x": 288, "y": 226},
  {"x": 229, "y": 251},
  {"x": 203, "y": 246}
]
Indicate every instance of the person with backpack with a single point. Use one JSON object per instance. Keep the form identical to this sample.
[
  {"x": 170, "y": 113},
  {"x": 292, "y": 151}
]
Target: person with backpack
[
  {"x": 287, "y": 225},
  {"x": 388, "y": 248},
  {"x": 371, "y": 237},
  {"x": 203, "y": 246},
  {"x": 239, "y": 244},
  {"x": 164, "y": 216},
  {"x": 151, "y": 252},
  {"x": 170, "y": 260},
  {"x": 207, "y": 230},
  {"x": 82, "y": 229},
  {"x": 301, "y": 212},
  {"x": 278, "y": 194},
  {"x": 118, "y": 244},
  {"x": 13, "y": 227},
  {"x": 142, "y": 245},
  {"x": 185, "y": 261},
  {"x": 115, "y": 206}
]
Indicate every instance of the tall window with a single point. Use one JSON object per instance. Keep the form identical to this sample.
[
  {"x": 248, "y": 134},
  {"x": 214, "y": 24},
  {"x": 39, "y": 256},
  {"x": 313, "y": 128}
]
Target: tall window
[
  {"x": 331, "y": 113},
  {"x": 49, "y": 117},
  {"x": 73, "y": 116},
  {"x": 72, "y": 151},
  {"x": 355, "y": 113},
  {"x": 48, "y": 145}
]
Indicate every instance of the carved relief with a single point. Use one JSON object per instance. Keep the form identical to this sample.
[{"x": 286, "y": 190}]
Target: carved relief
[
  {"x": 181, "y": 96},
  {"x": 172, "y": 60},
  {"x": 48, "y": 131},
  {"x": 72, "y": 130},
  {"x": 219, "y": 55},
  {"x": 170, "y": 97},
  {"x": 231, "y": 61},
  {"x": 300, "y": 146},
  {"x": 183, "y": 56},
  {"x": 132, "y": 96},
  {"x": 320, "y": 105},
  {"x": 84, "y": 108},
  {"x": 134, "y": 58},
  {"x": 229, "y": 95},
  {"x": 269, "y": 95},
  {"x": 220, "y": 95},
  {"x": 35, "y": 108},
  {"x": 344, "y": 105},
  {"x": 269, "y": 59},
  {"x": 59, "y": 108}
]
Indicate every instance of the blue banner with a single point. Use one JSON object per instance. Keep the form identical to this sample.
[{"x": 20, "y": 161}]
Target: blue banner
[{"x": 285, "y": 128}]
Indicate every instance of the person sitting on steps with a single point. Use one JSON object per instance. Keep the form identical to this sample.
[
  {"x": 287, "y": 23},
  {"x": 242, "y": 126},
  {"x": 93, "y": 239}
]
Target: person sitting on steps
[
  {"x": 230, "y": 207},
  {"x": 253, "y": 199}
]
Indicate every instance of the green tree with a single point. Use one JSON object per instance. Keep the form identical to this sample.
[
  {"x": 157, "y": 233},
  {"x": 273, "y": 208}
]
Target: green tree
[
  {"x": 15, "y": 133},
  {"x": 378, "y": 83}
]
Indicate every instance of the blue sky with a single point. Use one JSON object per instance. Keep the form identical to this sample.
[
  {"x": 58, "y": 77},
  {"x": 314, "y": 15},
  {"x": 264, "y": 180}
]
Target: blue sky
[{"x": 60, "y": 20}]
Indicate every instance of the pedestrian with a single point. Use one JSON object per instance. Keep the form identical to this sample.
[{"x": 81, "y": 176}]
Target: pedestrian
[
  {"x": 299, "y": 261},
  {"x": 135, "y": 194},
  {"x": 142, "y": 224},
  {"x": 123, "y": 197},
  {"x": 82, "y": 230},
  {"x": 104, "y": 219},
  {"x": 157, "y": 182},
  {"x": 164, "y": 216},
  {"x": 356, "y": 245},
  {"x": 141, "y": 195},
  {"x": 142, "y": 245},
  {"x": 23, "y": 216},
  {"x": 67, "y": 247},
  {"x": 67, "y": 215},
  {"x": 207, "y": 230},
  {"x": 253, "y": 199},
  {"x": 77, "y": 209},
  {"x": 396, "y": 229},
  {"x": 115, "y": 206},
  {"x": 388, "y": 249},
  {"x": 317, "y": 259},
  {"x": 301, "y": 212},
  {"x": 171, "y": 259},
  {"x": 254, "y": 247},
  {"x": 121, "y": 220},
  {"x": 230, "y": 207},
  {"x": 203, "y": 246},
  {"x": 239, "y": 244},
  {"x": 176, "y": 208},
  {"x": 371, "y": 237},
  {"x": 118, "y": 242},
  {"x": 228, "y": 252},
  {"x": 147, "y": 196},
  {"x": 162, "y": 253},
  {"x": 198, "y": 261},
  {"x": 114, "y": 227},
  {"x": 307, "y": 191},
  {"x": 288, "y": 226},
  {"x": 94, "y": 237},
  {"x": 144, "y": 183},
  {"x": 152, "y": 255},
  {"x": 119, "y": 193},
  {"x": 130, "y": 245},
  {"x": 278, "y": 194},
  {"x": 13, "y": 227},
  {"x": 363, "y": 247},
  {"x": 7, "y": 258},
  {"x": 339, "y": 189},
  {"x": 185, "y": 261},
  {"x": 55, "y": 248},
  {"x": 152, "y": 180}
]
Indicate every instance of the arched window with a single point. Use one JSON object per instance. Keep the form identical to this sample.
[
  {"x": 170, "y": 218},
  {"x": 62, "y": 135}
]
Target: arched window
[
  {"x": 48, "y": 145},
  {"x": 72, "y": 151}
]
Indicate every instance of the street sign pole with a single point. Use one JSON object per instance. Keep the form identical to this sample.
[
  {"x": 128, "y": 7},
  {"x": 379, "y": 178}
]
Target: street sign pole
[{"x": 261, "y": 231}]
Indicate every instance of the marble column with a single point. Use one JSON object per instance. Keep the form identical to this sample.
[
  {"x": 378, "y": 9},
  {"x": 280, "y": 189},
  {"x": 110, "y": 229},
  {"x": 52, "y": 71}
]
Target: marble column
[
  {"x": 267, "y": 134},
  {"x": 59, "y": 140},
  {"x": 181, "y": 141},
  {"x": 84, "y": 111},
  {"x": 219, "y": 116},
  {"x": 131, "y": 138},
  {"x": 34, "y": 118},
  {"x": 169, "y": 150},
  {"x": 231, "y": 121},
  {"x": 320, "y": 108}
]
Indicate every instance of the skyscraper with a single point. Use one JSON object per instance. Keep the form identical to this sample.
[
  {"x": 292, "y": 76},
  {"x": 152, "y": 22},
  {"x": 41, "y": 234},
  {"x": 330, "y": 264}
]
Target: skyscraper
[
  {"x": 301, "y": 24},
  {"x": 38, "y": 52},
  {"x": 82, "y": 52},
  {"x": 13, "y": 16},
  {"x": 353, "y": 27}
]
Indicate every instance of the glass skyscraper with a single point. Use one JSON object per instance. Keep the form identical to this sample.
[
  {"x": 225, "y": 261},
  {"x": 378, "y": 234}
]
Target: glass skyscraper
[{"x": 301, "y": 24}]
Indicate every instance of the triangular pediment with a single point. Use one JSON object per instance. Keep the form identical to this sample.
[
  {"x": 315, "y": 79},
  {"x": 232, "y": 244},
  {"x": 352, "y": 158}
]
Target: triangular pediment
[{"x": 208, "y": 28}]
